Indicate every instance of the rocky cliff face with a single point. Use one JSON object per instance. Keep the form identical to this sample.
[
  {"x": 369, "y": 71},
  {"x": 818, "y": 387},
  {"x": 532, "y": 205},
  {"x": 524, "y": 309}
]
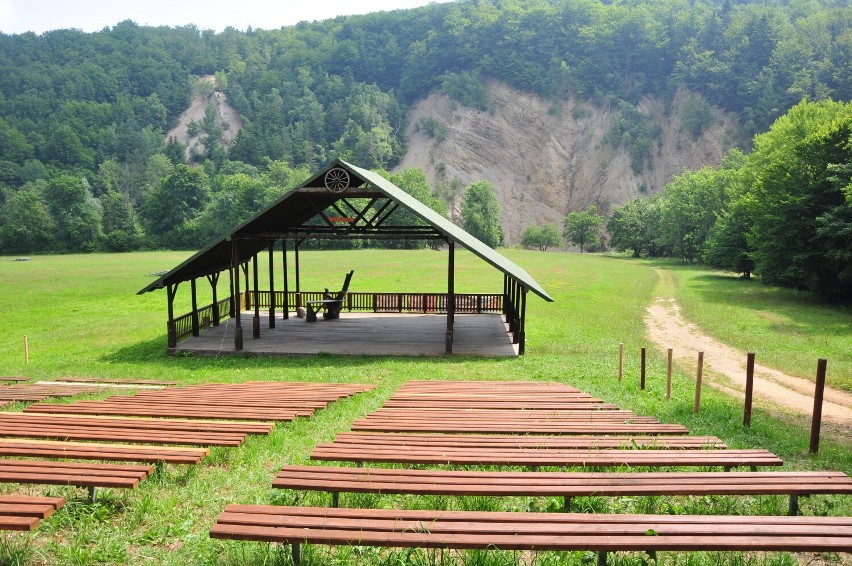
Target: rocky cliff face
[{"x": 548, "y": 159}]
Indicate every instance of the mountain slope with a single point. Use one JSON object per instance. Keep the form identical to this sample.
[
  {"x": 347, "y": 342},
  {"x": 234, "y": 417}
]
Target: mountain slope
[{"x": 546, "y": 160}]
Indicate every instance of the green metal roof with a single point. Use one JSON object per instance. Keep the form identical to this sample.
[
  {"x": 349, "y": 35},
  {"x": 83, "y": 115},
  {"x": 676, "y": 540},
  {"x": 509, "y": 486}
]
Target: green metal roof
[{"x": 296, "y": 207}]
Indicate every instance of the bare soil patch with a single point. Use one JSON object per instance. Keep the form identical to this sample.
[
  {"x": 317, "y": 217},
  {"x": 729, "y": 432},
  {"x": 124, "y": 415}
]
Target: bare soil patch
[{"x": 725, "y": 366}]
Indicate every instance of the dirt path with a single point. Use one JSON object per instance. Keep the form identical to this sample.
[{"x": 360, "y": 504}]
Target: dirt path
[{"x": 725, "y": 366}]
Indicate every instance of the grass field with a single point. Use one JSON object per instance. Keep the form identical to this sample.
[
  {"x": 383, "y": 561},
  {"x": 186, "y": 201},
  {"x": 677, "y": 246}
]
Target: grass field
[{"x": 82, "y": 317}]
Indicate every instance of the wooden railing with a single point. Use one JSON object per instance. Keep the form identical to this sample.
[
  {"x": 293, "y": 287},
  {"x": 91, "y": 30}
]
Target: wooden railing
[
  {"x": 406, "y": 303},
  {"x": 466, "y": 303},
  {"x": 207, "y": 316}
]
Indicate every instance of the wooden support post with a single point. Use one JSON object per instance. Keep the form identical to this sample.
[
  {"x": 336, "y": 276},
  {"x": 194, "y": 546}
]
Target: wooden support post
[
  {"x": 297, "y": 554},
  {"x": 271, "y": 286},
  {"x": 194, "y": 308},
  {"x": 748, "y": 389},
  {"x": 92, "y": 494},
  {"x": 698, "y": 375},
  {"x": 566, "y": 504},
  {"x": 213, "y": 279},
  {"x": 620, "y": 361},
  {"x": 642, "y": 372},
  {"x": 232, "y": 299},
  {"x": 522, "y": 332},
  {"x": 171, "y": 291},
  {"x": 298, "y": 282},
  {"x": 26, "y": 350},
  {"x": 248, "y": 287},
  {"x": 235, "y": 266},
  {"x": 818, "y": 394},
  {"x": 505, "y": 296},
  {"x": 255, "y": 323},
  {"x": 451, "y": 298},
  {"x": 335, "y": 499},
  {"x": 794, "y": 505},
  {"x": 286, "y": 305},
  {"x": 602, "y": 558},
  {"x": 669, "y": 375}
]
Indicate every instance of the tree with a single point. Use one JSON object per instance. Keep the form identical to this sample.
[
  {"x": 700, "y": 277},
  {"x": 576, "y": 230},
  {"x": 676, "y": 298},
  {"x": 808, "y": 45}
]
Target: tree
[
  {"x": 121, "y": 229},
  {"x": 481, "y": 213},
  {"x": 25, "y": 223},
  {"x": 636, "y": 226},
  {"x": 173, "y": 204},
  {"x": 797, "y": 198},
  {"x": 583, "y": 228},
  {"x": 691, "y": 203},
  {"x": 541, "y": 237}
]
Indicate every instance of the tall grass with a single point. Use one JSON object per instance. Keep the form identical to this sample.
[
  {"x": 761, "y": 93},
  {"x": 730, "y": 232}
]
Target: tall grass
[{"x": 82, "y": 317}]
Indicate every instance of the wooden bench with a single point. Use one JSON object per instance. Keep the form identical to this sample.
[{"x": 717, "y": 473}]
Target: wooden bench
[
  {"x": 50, "y": 472},
  {"x": 332, "y": 304},
  {"x": 530, "y": 531},
  {"x": 123, "y": 429},
  {"x": 93, "y": 451},
  {"x": 559, "y": 484},
  {"x": 556, "y": 457},
  {"x": 23, "y": 512}
]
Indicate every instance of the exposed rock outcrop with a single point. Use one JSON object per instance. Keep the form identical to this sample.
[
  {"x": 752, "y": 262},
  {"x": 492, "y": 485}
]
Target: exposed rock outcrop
[{"x": 546, "y": 160}]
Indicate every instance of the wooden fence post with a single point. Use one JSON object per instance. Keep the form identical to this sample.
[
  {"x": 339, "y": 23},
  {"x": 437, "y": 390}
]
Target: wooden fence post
[
  {"x": 698, "y": 375},
  {"x": 669, "y": 375},
  {"x": 642, "y": 372},
  {"x": 748, "y": 389},
  {"x": 26, "y": 350},
  {"x": 817, "y": 418},
  {"x": 620, "y": 360}
]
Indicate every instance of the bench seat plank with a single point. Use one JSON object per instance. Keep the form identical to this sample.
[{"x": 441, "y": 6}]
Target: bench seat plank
[
  {"x": 573, "y": 484},
  {"x": 18, "y": 523},
  {"x": 396, "y": 440},
  {"x": 96, "y": 451},
  {"x": 531, "y": 531},
  {"x": 504, "y": 427},
  {"x": 190, "y": 425},
  {"x": 551, "y": 457},
  {"x": 73, "y": 473}
]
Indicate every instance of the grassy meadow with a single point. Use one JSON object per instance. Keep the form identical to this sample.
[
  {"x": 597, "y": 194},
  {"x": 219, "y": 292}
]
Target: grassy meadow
[{"x": 82, "y": 317}]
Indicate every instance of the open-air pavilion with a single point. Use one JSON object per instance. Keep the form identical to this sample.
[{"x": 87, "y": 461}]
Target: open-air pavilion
[{"x": 342, "y": 202}]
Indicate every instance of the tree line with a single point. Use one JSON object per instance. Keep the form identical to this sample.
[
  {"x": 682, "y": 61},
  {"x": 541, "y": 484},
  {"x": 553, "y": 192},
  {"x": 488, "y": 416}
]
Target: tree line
[{"x": 340, "y": 88}]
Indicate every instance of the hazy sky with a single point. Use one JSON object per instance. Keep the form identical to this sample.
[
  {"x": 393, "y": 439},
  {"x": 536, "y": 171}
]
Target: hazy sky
[{"x": 19, "y": 16}]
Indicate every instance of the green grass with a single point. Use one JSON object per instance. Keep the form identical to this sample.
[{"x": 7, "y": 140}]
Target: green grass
[{"x": 82, "y": 317}]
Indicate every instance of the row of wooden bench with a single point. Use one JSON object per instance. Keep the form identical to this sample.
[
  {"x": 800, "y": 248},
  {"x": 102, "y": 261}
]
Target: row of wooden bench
[{"x": 523, "y": 407}]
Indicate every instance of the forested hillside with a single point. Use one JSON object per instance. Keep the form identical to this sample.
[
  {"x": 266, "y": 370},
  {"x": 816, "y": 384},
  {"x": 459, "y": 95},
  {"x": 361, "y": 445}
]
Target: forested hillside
[{"x": 85, "y": 161}]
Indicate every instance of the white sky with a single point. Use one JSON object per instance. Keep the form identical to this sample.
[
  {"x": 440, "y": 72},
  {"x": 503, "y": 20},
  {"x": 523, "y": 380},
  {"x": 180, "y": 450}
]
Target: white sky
[{"x": 19, "y": 16}]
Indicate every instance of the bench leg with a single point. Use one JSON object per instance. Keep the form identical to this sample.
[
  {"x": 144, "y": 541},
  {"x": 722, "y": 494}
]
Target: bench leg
[
  {"x": 297, "y": 554},
  {"x": 602, "y": 558},
  {"x": 335, "y": 499},
  {"x": 794, "y": 505},
  {"x": 311, "y": 315},
  {"x": 566, "y": 504},
  {"x": 91, "y": 494}
]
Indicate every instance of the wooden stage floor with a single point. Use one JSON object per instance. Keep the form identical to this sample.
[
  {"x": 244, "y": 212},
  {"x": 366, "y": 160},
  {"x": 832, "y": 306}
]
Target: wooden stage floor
[{"x": 355, "y": 334}]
